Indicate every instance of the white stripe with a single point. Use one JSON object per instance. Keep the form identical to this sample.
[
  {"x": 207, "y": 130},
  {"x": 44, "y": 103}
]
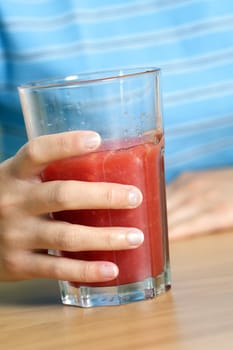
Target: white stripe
[
  {"x": 199, "y": 62},
  {"x": 198, "y": 126},
  {"x": 196, "y": 28},
  {"x": 34, "y": 2},
  {"x": 103, "y": 13},
  {"x": 222, "y": 88},
  {"x": 199, "y": 152}
]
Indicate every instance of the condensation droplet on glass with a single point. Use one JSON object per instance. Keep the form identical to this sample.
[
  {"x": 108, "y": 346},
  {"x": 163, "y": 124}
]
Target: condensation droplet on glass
[
  {"x": 68, "y": 94},
  {"x": 79, "y": 108}
]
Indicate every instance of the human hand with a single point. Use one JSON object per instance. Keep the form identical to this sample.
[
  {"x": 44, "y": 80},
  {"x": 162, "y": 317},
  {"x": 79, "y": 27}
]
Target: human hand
[
  {"x": 200, "y": 203},
  {"x": 27, "y": 232}
]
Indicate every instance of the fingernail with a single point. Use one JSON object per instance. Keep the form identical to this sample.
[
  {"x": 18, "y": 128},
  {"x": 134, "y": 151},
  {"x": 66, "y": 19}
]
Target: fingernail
[
  {"x": 91, "y": 140},
  {"x": 109, "y": 271},
  {"x": 135, "y": 237},
  {"x": 134, "y": 198}
]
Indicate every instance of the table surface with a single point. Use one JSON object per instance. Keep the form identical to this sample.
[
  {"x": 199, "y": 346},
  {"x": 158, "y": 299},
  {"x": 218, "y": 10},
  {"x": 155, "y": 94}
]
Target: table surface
[{"x": 197, "y": 313}]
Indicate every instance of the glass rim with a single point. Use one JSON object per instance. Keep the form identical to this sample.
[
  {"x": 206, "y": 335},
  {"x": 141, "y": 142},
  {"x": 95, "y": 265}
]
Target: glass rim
[{"x": 88, "y": 78}]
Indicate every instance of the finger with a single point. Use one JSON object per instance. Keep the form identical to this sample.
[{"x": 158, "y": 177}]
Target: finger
[
  {"x": 176, "y": 199},
  {"x": 185, "y": 188},
  {"x": 211, "y": 204},
  {"x": 55, "y": 196},
  {"x": 185, "y": 213},
  {"x": 33, "y": 157},
  {"x": 204, "y": 222},
  {"x": 199, "y": 225},
  {"x": 63, "y": 236},
  {"x": 33, "y": 265},
  {"x": 178, "y": 191}
]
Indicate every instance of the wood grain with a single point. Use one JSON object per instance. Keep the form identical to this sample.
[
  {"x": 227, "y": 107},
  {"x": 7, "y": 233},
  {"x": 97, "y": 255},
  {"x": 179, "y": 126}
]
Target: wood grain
[{"x": 196, "y": 314}]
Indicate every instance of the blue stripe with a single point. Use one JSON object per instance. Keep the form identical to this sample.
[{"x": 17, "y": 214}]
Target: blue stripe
[
  {"x": 87, "y": 11},
  {"x": 200, "y": 110},
  {"x": 195, "y": 36}
]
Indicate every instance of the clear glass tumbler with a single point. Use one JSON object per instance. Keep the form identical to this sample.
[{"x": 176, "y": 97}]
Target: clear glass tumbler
[{"x": 124, "y": 107}]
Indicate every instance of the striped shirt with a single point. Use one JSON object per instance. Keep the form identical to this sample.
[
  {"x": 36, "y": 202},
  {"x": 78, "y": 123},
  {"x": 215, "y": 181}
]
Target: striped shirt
[{"x": 190, "y": 40}]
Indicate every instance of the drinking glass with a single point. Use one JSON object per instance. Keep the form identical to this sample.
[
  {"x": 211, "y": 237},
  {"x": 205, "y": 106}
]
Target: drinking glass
[{"x": 124, "y": 107}]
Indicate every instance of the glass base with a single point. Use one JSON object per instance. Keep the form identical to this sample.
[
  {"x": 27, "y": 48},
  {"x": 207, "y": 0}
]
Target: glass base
[{"x": 116, "y": 295}]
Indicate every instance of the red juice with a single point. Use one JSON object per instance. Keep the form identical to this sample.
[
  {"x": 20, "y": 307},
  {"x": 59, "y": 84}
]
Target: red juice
[{"x": 138, "y": 164}]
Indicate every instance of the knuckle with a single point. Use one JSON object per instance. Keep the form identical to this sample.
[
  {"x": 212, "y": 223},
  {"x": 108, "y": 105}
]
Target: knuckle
[
  {"x": 10, "y": 263},
  {"x": 60, "y": 194},
  {"x": 66, "y": 239},
  {"x": 7, "y": 239},
  {"x": 56, "y": 269},
  {"x": 110, "y": 241},
  {"x": 63, "y": 144},
  {"x": 109, "y": 196},
  {"x": 60, "y": 240},
  {"x": 116, "y": 197},
  {"x": 86, "y": 274},
  {"x": 32, "y": 152}
]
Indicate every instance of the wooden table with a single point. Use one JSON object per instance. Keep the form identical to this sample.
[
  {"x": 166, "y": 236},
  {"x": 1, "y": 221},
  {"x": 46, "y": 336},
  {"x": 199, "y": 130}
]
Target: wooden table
[{"x": 196, "y": 314}]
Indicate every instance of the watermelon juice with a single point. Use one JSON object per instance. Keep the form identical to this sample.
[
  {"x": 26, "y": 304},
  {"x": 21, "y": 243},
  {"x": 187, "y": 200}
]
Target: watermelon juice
[{"x": 136, "y": 162}]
